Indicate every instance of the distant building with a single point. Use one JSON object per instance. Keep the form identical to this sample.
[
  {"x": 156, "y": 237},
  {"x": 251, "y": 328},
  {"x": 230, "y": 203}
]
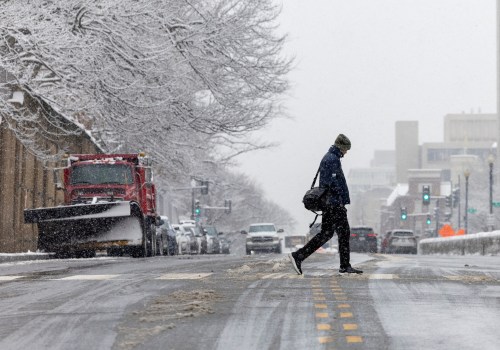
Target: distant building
[
  {"x": 464, "y": 134},
  {"x": 409, "y": 196},
  {"x": 368, "y": 186},
  {"x": 469, "y": 139},
  {"x": 407, "y": 149}
]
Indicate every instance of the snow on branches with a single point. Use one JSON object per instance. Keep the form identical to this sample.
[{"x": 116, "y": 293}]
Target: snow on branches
[{"x": 175, "y": 78}]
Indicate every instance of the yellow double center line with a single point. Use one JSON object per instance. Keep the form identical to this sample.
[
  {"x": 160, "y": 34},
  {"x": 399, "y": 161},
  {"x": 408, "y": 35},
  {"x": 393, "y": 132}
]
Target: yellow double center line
[{"x": 338, "y": 306}]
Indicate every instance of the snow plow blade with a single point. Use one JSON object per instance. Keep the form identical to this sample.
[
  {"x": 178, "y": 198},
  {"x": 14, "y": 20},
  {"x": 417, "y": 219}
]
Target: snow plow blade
[
  {"x": 76, "y": 230},
  {"x": 77, "y": 212}
]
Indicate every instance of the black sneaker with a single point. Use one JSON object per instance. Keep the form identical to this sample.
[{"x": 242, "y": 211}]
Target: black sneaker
[
  {"x": 349, "y": 269},
  {"x": 295, "y": 264}
]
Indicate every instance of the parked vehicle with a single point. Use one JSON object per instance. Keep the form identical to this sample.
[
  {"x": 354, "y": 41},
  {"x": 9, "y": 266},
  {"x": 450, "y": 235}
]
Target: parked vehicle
[
  {"x": 363, "y": 239},
  {"x": 183, "y": 239},
  {"x": 263, "y": 237},
  {"x": 225, "y": 245},
  {"x": 401, "y": 241},
  {"x": 198, "y": 239},
  {"x": 169, "y": 237},
  {"x": 212, "y": 235},
  {"x": 109, "y": 203}
]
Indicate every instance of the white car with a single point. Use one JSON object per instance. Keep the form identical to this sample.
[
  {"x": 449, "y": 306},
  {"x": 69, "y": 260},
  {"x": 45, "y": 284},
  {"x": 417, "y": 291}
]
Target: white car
[
  {"x": 401, "y": 241},
  {"x": 263, "y": 237},
  {"x": 183, "y": 239},
  {"x": 199, "y": 243}
]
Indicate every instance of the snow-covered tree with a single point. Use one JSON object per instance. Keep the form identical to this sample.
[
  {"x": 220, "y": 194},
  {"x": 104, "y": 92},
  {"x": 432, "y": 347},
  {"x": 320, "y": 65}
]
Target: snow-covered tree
[
  {"x": 148, "y": 74},
  {"x": 186, "y": 81}
]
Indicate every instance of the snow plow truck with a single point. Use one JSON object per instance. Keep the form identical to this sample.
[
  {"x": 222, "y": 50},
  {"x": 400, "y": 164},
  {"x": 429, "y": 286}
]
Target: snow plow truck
[{"x": 109, "y": 204}]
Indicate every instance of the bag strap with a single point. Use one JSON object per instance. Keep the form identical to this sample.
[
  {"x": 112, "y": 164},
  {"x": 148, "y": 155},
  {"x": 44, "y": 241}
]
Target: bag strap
[
  {"x": 315, "y": 177},
  {"x": 312, "y": 186},
  {"x": 315, "y": 218}
]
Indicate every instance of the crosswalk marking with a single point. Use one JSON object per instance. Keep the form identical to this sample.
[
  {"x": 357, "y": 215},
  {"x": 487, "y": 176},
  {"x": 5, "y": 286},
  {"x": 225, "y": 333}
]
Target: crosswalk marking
[
  {"x": 9, "y": 278},
  {"x": 183, "y": 276},
  {"x": 316, "y": 286},
  {"x": 280, "y": 275},
  {"x": 87, "y": 277}
]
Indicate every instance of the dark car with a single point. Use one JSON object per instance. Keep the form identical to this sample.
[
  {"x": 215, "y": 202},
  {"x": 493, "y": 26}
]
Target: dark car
[
  {"x": 363, "y": 239},
  {"x": 224, "y": 245}
]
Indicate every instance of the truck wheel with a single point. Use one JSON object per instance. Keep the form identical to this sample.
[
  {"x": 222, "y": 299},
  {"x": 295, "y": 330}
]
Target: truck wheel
[{"x": 148, "y": 238}]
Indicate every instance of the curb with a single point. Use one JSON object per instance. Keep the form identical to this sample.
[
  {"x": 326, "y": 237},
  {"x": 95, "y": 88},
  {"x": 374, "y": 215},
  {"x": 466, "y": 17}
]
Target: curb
[{"x": 22, "y": 257}]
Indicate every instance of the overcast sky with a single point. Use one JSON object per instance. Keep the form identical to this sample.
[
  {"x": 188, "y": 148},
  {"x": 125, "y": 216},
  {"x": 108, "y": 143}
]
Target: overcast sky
[{"x": 360, "y": 66}]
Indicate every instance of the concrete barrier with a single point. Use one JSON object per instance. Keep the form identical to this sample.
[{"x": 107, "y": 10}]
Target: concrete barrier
[{"x": 482, "y": 243}]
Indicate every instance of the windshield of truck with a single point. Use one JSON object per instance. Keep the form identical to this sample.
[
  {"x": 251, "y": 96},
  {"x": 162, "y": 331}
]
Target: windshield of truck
[
  {"x": 261, "y": 228},
  {"x": 101, "y": 174}
]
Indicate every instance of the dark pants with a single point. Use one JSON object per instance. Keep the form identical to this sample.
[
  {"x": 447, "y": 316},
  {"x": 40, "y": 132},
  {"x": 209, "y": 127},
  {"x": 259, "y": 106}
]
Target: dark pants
[{"x": 334, "y": 220}]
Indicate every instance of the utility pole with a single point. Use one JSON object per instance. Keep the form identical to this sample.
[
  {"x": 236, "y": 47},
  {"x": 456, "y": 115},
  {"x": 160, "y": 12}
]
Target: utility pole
[
  {"x": 458, "y": 205},
  {"x": 436, "y": 212}
]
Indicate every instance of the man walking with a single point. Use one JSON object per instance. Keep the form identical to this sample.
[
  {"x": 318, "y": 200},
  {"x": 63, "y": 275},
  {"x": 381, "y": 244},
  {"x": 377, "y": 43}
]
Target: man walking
[{"x": 334, "y": 218}]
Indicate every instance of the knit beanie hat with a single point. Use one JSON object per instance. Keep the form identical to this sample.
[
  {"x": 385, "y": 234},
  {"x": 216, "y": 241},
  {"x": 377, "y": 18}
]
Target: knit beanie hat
[{"x": 342, "y": 142}]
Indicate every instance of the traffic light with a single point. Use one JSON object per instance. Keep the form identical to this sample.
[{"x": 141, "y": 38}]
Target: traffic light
[
  {"x": 426, "y": 195},
  {"x": 204, "y": 187},
  {"x": 227, "y": 205},
  {"x": 456, "y": 196},
  {"x": 448, "y": 201},
  {"x": 197, "y": 209},
  {"x": 404, "y": 214},
  {"x": 428, "y": 221}
]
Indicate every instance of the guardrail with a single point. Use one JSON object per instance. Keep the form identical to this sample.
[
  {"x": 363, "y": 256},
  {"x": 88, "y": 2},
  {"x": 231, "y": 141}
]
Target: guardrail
[{"x": 482, "y": 243}]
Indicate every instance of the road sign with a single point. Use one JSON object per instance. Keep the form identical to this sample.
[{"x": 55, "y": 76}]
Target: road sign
[
  {"x": 496, "y": 204},
  {"x": 472, "y": 210}
]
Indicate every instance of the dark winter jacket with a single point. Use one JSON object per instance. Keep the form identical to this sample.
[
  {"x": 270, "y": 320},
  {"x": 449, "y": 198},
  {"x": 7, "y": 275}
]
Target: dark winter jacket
[{"x": 332, "y": 176}]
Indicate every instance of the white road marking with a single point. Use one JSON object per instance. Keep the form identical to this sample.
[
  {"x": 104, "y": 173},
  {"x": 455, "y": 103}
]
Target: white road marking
[
  {"x": 87, "y": 277},
  {"x": 183, "y": 276},
  {"x": 9, "y": 278},
  {"x": 281, "y": 275}
]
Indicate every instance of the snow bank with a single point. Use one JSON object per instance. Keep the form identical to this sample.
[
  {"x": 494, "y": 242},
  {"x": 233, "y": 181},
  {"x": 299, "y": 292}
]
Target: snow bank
[{"x": 483, "y": 243}]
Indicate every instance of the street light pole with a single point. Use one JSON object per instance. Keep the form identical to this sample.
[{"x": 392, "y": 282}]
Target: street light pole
[
  {"x": 458, "y": 204},
  {"x": 466, "y": 175},
  {"x": 491, "y": 159}
]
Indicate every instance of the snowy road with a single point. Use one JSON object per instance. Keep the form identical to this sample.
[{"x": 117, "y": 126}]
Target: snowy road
[{"x": 256, "y": 302}]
